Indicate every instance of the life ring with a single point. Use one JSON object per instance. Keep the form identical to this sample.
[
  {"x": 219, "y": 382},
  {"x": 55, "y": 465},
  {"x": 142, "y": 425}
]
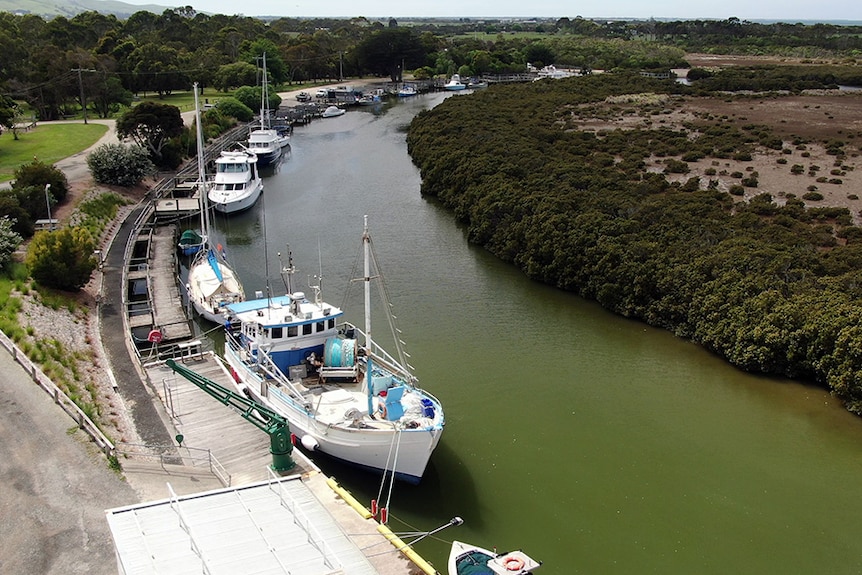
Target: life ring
[{"x": 513, "y": 564}]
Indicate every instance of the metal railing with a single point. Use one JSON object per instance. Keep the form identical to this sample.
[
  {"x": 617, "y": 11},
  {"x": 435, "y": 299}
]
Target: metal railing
[{"x": 175, "y": 455}]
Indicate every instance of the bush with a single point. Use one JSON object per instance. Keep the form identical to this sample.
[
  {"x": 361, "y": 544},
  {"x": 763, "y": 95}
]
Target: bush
[
  {"x": 812, "y": 196},
  {"x": 236, "y": 109},
  {"x": 62, "y": 259},
  {"x": 40, "y": 174},
  {"x": 120, "y": 165},
  {"x": 9, "y": 241},
  {"x": 736, "y": 190}
]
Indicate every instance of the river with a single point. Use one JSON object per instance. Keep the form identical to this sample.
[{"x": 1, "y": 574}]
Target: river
[{"x": 595, "y": 443}]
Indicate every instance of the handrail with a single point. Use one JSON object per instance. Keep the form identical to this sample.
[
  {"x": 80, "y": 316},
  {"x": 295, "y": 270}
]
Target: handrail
[
  {"x": 195, "y": 456},
  {"x": 59, "y": 396}
]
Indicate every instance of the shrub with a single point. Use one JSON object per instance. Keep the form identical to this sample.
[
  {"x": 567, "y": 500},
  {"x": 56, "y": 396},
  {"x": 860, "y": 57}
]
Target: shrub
[
  {"x": 9, "y": 241},
  {"x": 120, "y": 165},
  {"x": 62, "y": 259},
  {"x": 812, "y": 196},
  {"x": 797, "y": 169},
  {"x": 676, "y": 167},
  {"x": 736, "y": 190},
  {"x": 236, "y": 109},
  {"x": 39, "y": 174},
  {"x": 782, "y": 160},
  {"x": 750, "y": 182}
]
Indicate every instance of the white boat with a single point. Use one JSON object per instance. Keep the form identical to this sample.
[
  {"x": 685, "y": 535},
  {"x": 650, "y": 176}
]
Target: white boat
[
  {"x": 369, "y": 100},
  {"x": 265, "y": 142},
  {"x": 477, "y": 84},
  {"x": 332, "y": 112},
  {"x": 237, "y": 184},
  {"x": 454, "y": 83},
  {"x": 211, "y": 283},
  {"x": 407, "y": 90},
  {"x": 343, "y": 394},
  {"x": 466, "y": 559}
]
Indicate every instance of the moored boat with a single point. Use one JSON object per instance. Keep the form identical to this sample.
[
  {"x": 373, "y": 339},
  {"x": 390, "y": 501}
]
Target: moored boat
[
  {"x": 342, "y": 393},
  {"x": 454, "y": 83},
  {"x": 407, "y": 90},
  {"x": 332, "y": 112},
  {"x": 237, "y": 184},
  {"x": 211, "y": 282},
  {"x": 466, "y": 559},
  {"x": 264, "y": 141}
]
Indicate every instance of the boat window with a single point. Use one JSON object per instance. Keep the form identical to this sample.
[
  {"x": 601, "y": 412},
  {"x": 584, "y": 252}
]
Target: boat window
[
  {"x": 306, "y": 329},
  {"x": 265, "y": 333},
  {"x": 277, "y": 332},
  {"x": 320, "y": 326},
  {"x": 292, "y": 331},
  {"x": 330, "y": 323}
]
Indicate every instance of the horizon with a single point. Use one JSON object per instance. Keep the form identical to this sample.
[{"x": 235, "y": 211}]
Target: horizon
[{"x": 789, "y": 11}]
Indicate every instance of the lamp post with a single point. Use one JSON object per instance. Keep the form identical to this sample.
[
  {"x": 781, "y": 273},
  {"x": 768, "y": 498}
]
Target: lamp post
[{"x": 48, "y": 203}]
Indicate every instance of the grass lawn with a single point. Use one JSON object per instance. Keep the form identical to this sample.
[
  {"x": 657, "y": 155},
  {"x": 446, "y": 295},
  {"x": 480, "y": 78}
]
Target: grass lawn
[{"x": 47, "y": 142}]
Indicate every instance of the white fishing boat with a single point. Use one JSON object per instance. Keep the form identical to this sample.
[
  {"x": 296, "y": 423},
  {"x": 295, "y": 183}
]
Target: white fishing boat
[
  {"x": 211, "y": 283},
  {"x": 342, "y": 393},
  {"x": 237, "y": 184},
  {"x": 265, "y": 142},
  {"x": 454, "y": 83},
  {"x": 466, "y": 559}
]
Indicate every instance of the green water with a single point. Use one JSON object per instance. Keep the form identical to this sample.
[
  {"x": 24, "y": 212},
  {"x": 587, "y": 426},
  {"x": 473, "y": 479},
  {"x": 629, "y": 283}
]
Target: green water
[{"x": 594, "y": 443}]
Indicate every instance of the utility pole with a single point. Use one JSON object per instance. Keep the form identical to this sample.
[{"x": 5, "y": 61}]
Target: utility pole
[
  {"x": 81, "y": 87},
  {"x": 341, "y": 66}
]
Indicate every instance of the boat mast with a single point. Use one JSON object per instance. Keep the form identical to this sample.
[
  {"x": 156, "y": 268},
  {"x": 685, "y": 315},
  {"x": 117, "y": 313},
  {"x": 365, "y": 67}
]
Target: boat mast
[
  {"x": 366, "y": 242},
  {"x": 264, "y": 96},
  {"x": 202, "y": 187}
]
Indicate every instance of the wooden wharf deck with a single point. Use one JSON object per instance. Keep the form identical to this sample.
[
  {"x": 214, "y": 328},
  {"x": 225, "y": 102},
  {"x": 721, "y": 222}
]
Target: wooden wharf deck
[{"x": 241, "y": 448}]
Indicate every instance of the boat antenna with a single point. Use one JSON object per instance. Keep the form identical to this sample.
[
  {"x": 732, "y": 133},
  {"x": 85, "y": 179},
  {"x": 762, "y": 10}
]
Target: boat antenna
[{"x": 287, "y": 271}]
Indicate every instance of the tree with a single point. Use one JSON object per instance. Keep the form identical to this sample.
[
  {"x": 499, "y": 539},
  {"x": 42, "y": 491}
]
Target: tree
[
  {"x": 236, "y": 109},
  {"x": 8, "y": 109},
  {"x": 151, "y": 125},
  {"x": 390, "y": 49},
  {"x": 9, "y": 241},
  {"x": 119, "y": 165},
  {"x": 62, "y": 259},
  {"x": 234, "y": 75}
]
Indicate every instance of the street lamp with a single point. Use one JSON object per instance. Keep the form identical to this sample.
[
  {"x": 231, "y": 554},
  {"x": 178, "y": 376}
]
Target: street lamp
[{"x": 48, "y": 203}]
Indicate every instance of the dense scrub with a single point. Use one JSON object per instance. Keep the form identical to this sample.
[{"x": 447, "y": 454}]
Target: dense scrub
[{"x": 766, "y": 286}]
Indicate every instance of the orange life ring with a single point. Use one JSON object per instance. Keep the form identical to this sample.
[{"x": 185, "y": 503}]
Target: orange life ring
[{"x": 513, "y": 564}]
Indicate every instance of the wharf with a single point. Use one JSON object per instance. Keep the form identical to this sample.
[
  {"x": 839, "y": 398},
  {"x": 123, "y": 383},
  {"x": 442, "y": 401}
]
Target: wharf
[
  {"x": 154, "y": 305},
  {"x": 241, "y": 453}
]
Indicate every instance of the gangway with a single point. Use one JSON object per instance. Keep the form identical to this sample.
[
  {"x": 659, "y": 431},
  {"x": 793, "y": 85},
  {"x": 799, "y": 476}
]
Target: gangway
[{"x": 258, "y": 415}]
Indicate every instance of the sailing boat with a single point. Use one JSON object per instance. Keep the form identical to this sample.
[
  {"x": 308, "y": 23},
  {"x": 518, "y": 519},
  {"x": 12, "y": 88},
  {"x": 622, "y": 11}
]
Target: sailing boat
[
  {"x": 347, "y": 398},
  {"x": 265, "y": 141},
  {"x": 211, "y": 284}
]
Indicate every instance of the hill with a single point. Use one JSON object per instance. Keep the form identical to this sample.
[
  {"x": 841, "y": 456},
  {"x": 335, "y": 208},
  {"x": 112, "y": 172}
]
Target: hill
[{"x": 70, "y": 8}]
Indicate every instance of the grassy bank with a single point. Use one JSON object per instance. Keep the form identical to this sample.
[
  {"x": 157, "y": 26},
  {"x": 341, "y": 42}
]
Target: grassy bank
[{"x": 47, "y": 142}]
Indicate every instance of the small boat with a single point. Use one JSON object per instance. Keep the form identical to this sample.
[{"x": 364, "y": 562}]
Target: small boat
[
  {"x": 369, "y": 100},
  {"x": 191, "y": 242},
  {"x": 343, "y": 394},
  {"x": 303, "y": 97},
  {"x": 407, "y": 90},
  {"x": 265, "y": 142},
  {"x": 211, "y": 282},
  {"x": 237, "y": 184},
  {"x": 466, "y": 559},
  {"x": 454, "y": 83},
  {"x": 332, "y": 112},
  {"x": 475, "y": 84}
]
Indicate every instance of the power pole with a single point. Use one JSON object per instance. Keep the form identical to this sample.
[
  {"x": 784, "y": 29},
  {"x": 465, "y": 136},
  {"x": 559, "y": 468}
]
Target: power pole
[{"x": 81, "y": 87}]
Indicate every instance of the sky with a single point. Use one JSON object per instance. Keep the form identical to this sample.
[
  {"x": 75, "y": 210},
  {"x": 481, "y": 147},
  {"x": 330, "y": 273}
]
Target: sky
[{"x": 783, "y": 10}]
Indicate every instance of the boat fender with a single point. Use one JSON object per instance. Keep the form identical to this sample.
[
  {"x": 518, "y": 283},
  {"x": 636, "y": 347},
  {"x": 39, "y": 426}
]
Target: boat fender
[
  {"x": 309, "y": 442},
  {"x": 514, "y": 564}
]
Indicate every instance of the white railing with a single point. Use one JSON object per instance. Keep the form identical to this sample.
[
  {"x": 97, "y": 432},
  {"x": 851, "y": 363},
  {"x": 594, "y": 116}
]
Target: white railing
[
  {"x": 59, "y": 397},
  {"x": 172, "y": 455}
]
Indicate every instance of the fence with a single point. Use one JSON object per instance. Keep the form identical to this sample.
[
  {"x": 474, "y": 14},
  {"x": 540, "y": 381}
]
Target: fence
[
  {"x": 171, "y": 455},
  {"x": 60, "y": 398}
]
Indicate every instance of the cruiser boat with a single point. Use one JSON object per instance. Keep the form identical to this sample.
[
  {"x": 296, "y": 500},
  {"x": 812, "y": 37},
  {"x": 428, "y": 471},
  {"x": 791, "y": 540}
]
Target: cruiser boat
[
  {"x": 211, "y": 282},
  {"x": 237, "y": 184},
  {"x": 454, "y": 83},
  {"x": 466, "y": 559},
  {"x": 332, "y": 112},
  {"x": 342, "y": 393},
  {"x": 265, "y": 141},
  {"x": 407, "y": 90}
]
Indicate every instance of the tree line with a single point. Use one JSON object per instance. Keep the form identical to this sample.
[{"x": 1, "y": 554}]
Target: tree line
[{"x": 774, "y": 289}]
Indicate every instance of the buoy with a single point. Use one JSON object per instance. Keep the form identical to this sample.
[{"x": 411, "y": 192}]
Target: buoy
[
  {"x": 309, "y": 442},
  {"x": 514, "y": 564}
]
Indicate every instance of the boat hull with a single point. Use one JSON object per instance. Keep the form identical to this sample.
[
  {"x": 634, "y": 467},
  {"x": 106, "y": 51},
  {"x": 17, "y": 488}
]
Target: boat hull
[
  {"x": 368, "y": 448},
  {"x": 238, "y": 204}
]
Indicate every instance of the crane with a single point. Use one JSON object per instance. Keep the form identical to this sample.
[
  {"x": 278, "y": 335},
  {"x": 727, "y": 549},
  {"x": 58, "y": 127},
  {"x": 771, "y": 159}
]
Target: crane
[{"x": 258, "y": 415}]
